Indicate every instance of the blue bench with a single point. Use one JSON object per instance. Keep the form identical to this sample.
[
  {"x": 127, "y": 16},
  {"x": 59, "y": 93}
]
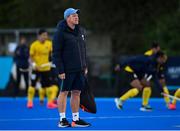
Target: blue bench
[{"x": 6, "y": 64}]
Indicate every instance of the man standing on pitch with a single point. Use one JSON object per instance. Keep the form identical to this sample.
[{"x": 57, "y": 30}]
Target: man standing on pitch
[{"x": 69, "y": 56}]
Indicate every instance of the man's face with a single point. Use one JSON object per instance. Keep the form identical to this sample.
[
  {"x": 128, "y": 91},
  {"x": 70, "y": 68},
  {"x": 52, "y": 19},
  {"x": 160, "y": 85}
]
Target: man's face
[
  {"x": 23, "y": 41},
  {"x": 43, "y": 37},
  {"x": 73, "y": 19},
  {"x": 155, "y": 50}
]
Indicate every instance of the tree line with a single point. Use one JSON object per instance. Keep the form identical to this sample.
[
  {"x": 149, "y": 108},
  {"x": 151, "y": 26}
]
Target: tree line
[{"x": 130, "y": 23}]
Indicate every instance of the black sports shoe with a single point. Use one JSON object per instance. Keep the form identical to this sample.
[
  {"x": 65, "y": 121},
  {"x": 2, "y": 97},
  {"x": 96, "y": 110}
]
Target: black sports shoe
[
  {"x": 145, "y": 108},
  {"x": 80, "y": 123},
  {"x": 64, "y": 123}
]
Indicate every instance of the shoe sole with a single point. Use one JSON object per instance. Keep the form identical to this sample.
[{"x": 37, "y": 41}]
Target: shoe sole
[
  {"x": 145, "y": 110},
  {"x": 80, "y": 125},
  {"x": 63, "y": 126}
]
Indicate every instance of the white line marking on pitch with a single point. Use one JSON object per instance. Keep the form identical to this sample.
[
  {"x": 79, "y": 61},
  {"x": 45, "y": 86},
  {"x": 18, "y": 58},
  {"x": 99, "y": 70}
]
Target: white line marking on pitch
[{"x": 103, "y": 117}]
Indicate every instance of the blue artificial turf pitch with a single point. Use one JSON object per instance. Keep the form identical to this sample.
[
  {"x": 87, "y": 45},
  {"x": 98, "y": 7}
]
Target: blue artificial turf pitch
[{"x": 15, "y": 116}]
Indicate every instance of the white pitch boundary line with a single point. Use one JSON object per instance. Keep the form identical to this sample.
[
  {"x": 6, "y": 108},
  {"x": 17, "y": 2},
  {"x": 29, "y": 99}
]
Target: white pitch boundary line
[{"x": 103, "y": 117}]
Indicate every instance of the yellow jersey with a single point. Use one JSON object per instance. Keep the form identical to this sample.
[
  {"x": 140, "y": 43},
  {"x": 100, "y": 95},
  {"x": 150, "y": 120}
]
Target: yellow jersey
[
  {"x": 148, "y": 53},
  {"x": 40, "y": 53},
  {"x": 128, "y": 69}
]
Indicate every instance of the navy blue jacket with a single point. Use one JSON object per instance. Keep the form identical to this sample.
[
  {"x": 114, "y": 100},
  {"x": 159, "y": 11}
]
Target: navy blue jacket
[
  {"x": 69, "y": 49},
  {"x": 21, "y": 56}
]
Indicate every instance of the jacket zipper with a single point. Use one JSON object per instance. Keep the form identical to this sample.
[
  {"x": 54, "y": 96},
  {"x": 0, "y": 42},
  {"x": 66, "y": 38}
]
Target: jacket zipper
[{"x": 79, "y": 53}]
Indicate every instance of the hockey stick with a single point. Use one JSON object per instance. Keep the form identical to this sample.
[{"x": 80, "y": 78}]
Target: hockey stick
[
  {"x": 48, "y": 64},
  {"x": 170, "y": 96}
]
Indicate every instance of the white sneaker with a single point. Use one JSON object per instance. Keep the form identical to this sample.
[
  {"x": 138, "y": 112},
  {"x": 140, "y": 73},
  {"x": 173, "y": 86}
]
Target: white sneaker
[{"x": 118, "y": 103}]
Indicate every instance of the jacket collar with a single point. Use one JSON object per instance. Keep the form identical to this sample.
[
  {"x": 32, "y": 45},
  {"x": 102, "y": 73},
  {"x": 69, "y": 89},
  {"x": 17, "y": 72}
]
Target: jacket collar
[{"x": 63, "y": 25}]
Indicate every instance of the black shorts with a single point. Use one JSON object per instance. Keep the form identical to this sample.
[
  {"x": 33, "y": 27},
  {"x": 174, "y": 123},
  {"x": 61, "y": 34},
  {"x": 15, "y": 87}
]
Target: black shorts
[
  {"x": 54, "y": 77},
  {"x": 124, "y": 81},
  {"x": 130, "y": 76},
  {"x": 73, "y": 81},
  {"x": 43, "y": 77}
]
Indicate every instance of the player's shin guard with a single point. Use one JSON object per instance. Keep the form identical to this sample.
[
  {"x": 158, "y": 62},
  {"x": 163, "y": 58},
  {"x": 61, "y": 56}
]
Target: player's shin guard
[
  {"x": 50, "y": 103},
  {"x": 146, "y": 95},
  {"x": 166, "y": 98},
  {"x": 131, "y": 93},
  {"x": 177, "y": 94},
  {"x": 42, "y": 93},
  {"x": 31, "y": 92},
  {"x": 49, "y": 94},
  {"x": 54, "y": 91}
]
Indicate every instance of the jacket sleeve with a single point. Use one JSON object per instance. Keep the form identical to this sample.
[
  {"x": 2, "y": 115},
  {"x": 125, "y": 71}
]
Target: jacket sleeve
[
  {"x": 16, "y": 54},
  {"x": 58, "y": 51}
]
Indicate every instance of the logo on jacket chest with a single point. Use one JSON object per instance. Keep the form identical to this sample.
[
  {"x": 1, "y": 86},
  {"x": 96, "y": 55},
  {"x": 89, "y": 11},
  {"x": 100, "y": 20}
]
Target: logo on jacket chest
[{"x": 82, "y": 36}]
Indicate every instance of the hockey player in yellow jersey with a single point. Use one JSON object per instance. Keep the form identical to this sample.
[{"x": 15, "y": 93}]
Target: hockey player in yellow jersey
[
  {"x": 40, "y": 52},
  {"x": 53, "y": 78},
  {"x": 161, "y": 69}
]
